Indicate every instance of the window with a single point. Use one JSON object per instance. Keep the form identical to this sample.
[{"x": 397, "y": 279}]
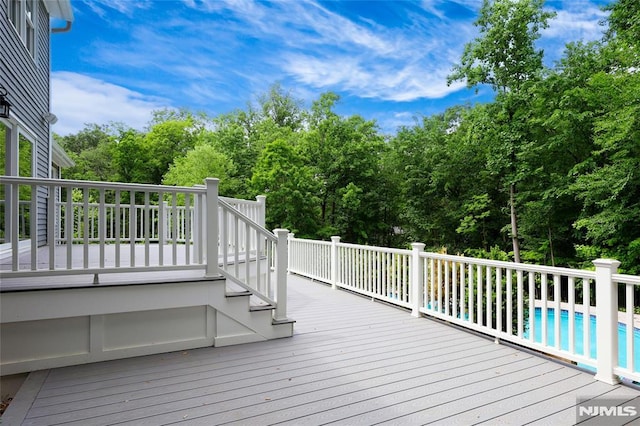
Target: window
[
  {"x": 22, "y": 14},
  {"x": 14, "y": 14},
  {"x": 17, "y": 158},
  {"x": 30, "y": 28}
]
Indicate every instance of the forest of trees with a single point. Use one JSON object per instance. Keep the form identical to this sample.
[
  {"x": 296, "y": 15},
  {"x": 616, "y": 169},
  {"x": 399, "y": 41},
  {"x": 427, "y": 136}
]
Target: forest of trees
[{"x": 548, "y": 173}]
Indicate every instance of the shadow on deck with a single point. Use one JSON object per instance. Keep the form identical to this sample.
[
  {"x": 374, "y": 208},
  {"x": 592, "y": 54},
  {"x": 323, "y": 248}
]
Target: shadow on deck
[{"x": 350, "y": 361}]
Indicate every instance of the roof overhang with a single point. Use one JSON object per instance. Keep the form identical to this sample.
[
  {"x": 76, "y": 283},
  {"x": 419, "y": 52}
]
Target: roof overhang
[
  {"x": 60, "y": 157},
  {"x": 60, "y": 9}
]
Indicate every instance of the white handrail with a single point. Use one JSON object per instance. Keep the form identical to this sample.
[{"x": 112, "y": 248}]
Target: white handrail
[
  {"x": 515, "y": 302},
  {"x": 250, "y": 254}
]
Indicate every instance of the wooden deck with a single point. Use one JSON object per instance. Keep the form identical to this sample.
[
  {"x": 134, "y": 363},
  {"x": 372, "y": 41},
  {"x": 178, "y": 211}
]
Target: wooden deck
[{"x": 351, "y": 361}]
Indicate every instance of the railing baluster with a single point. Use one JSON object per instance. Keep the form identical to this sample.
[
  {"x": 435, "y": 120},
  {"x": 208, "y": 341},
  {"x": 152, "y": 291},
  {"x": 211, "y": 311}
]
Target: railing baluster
[
  {"x": 543, "y": 307},
  {"x": 258, "y": 269},
  {"x": 102, "y": 217},
  {"x": 133, "y": 227},
  {"x": 69, "y": 228},
  {"x": 571, "y": 301},
  {"x": 532, "y": 306},
  {"x": 85, "y": 228},
  {"x": 586, "y": 317},
  {"x": 454, "y": 289},
  {"x": 499, "y": 311},
  {"x": 161, "y": 227},
  {"x": 432, "y": 283},
  {"x": 462, "y": 290},
  {"x": 629, "y": 326},
  {"x": 14, "y": 208},
  {"x": 488, "y": 297},
  {"x": 557, "y": 331},
  {"x": 509, "y": 276},
  {"x": 187, "y": 229},
  {"x": 174, "y": 229},
  {"x": 520, "y": 301},
  {"x": 236, "y": 245},
  {"x": 479, "y": 300},
  {"x": 117, "y": 230},
  {"x": 247, "y": 253},
  {"x": 470, "y": 276},
  {"x": 446, "y": 290},
  {"x": 224, "y": 238},
  {"x": 33, "y": 228},
  {"x": 147, "y": 229}
]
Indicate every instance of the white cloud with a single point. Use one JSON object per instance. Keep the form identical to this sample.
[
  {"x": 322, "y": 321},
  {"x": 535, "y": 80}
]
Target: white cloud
[
  {"x": 582, "y": 24},
  {"x": 126, "y": 7},
  {"x": 79, "y": 99},
  {"x": 216, "y": 55}
]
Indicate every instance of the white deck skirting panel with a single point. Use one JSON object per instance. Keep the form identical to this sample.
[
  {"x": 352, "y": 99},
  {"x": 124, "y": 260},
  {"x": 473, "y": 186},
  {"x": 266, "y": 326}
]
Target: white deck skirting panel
[{"x": 351, "y": 361}]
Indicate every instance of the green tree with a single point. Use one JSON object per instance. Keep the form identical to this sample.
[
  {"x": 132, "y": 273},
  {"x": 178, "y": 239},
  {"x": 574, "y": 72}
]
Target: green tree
[
  {"x": 504, "y": 56},
  {"x": 131, "y": 158},
  {"x": 282, "y": 175},
  {"x": 281, "y": 107},
  {"x": 167, "y": 140},
  {"x": 91, "y": 150},
  {"x": 200, "y": 163},
  {"x": 608, "y": 183}
]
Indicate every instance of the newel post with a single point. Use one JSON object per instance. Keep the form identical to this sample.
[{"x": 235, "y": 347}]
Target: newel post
[
  {"x": 416, "y": 278},
  {"x": 211, "y": 226},
  {"x": 607, "y": 320},
  {"x": 335, "y": 261},
  {"x": 281, "y": 273},
  {"x": 262, "y": 210}
]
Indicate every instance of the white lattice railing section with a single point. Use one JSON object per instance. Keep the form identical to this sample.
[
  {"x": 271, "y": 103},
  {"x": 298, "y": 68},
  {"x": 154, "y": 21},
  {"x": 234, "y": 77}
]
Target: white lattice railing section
[{"x": 567, "y": 313}]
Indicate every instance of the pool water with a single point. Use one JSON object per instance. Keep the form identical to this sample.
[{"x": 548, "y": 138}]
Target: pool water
[{"x": 579, "y": 339}]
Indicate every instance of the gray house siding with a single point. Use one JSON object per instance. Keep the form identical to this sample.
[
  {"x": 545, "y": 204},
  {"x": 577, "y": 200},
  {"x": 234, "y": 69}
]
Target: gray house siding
[{"x": 26, "y": 80}]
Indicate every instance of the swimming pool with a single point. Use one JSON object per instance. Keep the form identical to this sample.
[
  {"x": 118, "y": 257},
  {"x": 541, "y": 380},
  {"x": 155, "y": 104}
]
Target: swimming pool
[{"x": 579, "y": 335}]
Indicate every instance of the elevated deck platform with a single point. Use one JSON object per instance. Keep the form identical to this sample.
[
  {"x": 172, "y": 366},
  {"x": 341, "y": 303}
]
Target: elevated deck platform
[{"x": 351, "y": 361}]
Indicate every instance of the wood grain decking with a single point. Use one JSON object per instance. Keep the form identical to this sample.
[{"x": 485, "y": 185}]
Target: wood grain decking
[{"x": 351, "y": 361}]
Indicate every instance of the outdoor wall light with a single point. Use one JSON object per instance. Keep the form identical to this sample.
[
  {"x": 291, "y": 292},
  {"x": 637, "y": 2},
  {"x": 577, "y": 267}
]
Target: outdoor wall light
[{"x": 5, "y": 106}]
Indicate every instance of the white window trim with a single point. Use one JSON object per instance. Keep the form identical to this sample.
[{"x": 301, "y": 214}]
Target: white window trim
[
  {"x": 28, "y": 136},
  {"x": 17, "y": 129},
  {"x": 25, "y": 23}
]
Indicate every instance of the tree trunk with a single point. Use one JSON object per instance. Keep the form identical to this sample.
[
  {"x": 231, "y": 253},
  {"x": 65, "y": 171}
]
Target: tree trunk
[
  {"x": 553, "y": 259},
  {"x": 514, "y": 224}
]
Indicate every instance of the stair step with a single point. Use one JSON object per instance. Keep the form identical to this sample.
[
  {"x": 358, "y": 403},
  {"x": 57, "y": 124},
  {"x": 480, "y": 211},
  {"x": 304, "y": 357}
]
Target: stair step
[
  {"x": 238, "y": 293},
  {"x": 283, "y": 321},
  {"x": 255, "y": 308}
]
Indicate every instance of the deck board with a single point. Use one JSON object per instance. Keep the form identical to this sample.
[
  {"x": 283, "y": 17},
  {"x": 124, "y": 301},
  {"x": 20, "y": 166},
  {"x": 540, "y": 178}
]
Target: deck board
[{"x": 351, "y": 361}]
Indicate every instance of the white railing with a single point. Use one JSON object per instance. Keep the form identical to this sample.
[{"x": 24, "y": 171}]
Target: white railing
[
  {"x": 253, "y": 257},
  {"x": 99, "y": 236},
  {"x": 168, "y": 214},
  {"x": 104, "y": 227},
  {"x": 254, "y": 210},
  {"x": 119, "y": 220},
  {"x": 548, "y": 309}
]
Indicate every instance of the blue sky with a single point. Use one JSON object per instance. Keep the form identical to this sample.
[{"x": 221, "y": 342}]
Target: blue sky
[{"x": 388, "y": 60}]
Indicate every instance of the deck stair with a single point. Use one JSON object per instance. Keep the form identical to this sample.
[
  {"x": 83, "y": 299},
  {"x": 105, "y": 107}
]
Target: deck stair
[{"x": 83, "y": 323}]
